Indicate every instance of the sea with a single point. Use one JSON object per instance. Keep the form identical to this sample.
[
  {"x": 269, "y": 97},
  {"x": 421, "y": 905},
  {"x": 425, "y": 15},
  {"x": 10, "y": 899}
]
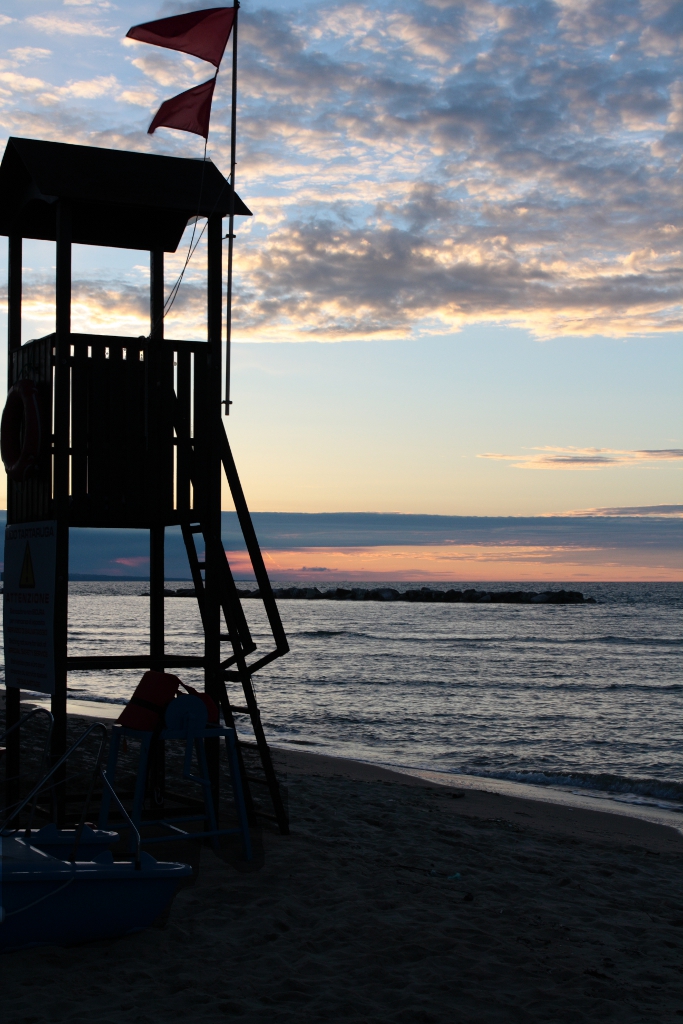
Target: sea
[{"x": 582, "y": 699}]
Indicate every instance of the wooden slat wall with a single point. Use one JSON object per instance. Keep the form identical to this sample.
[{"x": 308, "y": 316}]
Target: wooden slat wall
[
  {"x": 200, "y": 447},
  {"x": 160, "y": 415},
  {"x": 79, "y": 424},
  {"x": 182, "y": 430},
  {"x": 122, "y": 465},
  {"x": 131, "y": 446},
  {"x": 30, "y": 500},
  {"x": 101, "y": 475}
]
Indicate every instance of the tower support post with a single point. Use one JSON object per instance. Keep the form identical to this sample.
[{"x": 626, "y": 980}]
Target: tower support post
[
  {"x": 156, "y": 538},
  {"x": 157, "y": 533},
  {"x": 13, "y": 693},
  {"x": 62, "y": 410}
]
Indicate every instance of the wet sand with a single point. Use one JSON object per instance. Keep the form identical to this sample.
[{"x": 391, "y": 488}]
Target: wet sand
[{"x": 558, "y": 914}]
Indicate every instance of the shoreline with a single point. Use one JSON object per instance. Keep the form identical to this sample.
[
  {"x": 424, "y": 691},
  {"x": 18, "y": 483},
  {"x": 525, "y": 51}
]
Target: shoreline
[
  {"x": 394, "y": 899},
  {"x": 547, "y": 814},
  {"x": 598, "y": 803}
]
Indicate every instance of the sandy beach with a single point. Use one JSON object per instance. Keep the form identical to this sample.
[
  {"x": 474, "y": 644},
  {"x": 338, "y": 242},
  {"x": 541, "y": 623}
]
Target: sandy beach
[{"x": 394, "y": 900}]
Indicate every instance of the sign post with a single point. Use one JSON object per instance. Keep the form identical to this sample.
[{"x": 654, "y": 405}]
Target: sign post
[{"x": 29, "y": 604}]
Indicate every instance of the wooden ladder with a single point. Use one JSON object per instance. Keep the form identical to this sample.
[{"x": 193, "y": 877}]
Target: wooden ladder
[{"x": 235, "y": 666}]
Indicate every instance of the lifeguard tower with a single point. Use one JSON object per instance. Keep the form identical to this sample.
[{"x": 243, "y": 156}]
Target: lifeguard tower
[{"x": 128, "y": 432}]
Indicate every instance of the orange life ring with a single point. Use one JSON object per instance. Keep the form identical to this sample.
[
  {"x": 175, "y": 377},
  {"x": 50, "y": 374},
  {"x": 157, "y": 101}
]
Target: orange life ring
[{"x": 21, "y": 430}]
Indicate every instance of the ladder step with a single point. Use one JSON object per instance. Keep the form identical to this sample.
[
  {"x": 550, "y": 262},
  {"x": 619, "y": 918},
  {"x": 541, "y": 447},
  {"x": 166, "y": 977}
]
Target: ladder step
[{"x": 239, "y": 635}]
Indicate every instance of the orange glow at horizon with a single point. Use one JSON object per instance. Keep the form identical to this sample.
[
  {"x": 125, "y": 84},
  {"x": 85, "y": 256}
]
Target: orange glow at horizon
[{"x": 469, "y": 562}]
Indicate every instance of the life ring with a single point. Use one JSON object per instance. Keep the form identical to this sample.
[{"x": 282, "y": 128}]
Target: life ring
[{"x": 21, "y": 430}]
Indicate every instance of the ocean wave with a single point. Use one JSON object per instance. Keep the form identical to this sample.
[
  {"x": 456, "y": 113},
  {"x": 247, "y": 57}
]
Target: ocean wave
[
  {"x": 616, "y": 786},
  {"x": 318, "y": 634},
  {"x": 449, "y": 640},
  {"x": 631, "y": 641},
  {"x": 91, "y": 698}
]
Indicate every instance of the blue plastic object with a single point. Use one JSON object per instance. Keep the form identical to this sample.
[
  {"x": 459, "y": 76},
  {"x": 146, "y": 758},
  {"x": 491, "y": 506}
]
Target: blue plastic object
[
  {"x": 186, "y": 713},
  {"x": 186, "y": 720},
  {"x": 46, "y": 901}
]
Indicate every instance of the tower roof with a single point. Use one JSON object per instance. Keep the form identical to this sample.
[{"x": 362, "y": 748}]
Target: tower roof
[{"x": 118, "y": 198}]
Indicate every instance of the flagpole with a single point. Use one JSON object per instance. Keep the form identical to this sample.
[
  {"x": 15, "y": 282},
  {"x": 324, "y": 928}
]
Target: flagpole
[{"x": 231, "y": 232}]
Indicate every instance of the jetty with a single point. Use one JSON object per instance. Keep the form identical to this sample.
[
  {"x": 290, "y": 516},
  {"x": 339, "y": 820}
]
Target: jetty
[{"x": 424, "y": 595}]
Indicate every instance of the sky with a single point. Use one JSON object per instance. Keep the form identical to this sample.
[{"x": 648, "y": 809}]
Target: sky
[{"x": 460, "y": 292}]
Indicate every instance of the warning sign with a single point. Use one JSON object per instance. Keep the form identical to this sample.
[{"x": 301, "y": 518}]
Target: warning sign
[
  {"x": 27, "y": 578},
  {"x": 28, "y": 605}
]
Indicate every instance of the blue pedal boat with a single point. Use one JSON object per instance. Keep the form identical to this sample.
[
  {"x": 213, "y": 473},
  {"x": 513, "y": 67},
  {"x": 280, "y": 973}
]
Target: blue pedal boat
[
  {"x": 47, "y": 901},
  {"x": 63, "y": 887}
]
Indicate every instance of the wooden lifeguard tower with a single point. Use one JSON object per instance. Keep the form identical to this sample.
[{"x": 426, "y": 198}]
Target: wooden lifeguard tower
[{"x": 132, "y": 428}]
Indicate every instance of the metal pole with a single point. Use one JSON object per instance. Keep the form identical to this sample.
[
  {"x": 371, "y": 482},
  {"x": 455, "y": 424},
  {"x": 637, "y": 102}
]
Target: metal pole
[
  {"x": 212, "y": 493},
  {"x": 231, "y": 222},
  {"x": 61, "y": 484},
  {"x": 13, "y": 693}
]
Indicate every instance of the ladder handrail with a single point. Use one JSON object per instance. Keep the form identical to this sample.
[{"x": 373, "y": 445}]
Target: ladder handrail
[
  {"x": 237, "y": 626},
  {"x": 25, "y": 718},
  {"x": 253, "y": 548}
]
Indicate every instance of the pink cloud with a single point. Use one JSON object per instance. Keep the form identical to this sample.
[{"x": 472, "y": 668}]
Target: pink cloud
[
  {"x": 586, "y": 458},
  {"x": 134, "y": 562}
]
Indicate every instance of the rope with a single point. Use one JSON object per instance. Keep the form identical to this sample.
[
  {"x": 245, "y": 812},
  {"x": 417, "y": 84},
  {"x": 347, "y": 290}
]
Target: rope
[
  {"x": 192, "y": 248},
  {"x": 168, "y": 304}
]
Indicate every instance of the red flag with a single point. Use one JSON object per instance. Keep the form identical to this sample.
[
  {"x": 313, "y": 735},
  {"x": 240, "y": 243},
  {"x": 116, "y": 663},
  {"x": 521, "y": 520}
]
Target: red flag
[
  {"x": 202, "y": 33},
  {"x": 190, "y": 111}
]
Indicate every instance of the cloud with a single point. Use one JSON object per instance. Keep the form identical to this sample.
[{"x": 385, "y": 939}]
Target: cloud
[
  {"x": 56, "y": 24},
  {"x": 586, "y": 458},
  {"x": 91, "y": 89},
  {"x": 324, "y": 279},
  {"x": 115, "y": 306},
  {"x": 300, "y": 531},
  {"x": 140, "y": 97},
  {"x": 404, "y": 547},
  {"x": 167, "y": 70},
  {"x": 48, "y": 95},
  {"x": 637, "y": 511},
  {"x": 22, "y": 83},
  {"x": 24, "y": 54},
  {"x": 504, "y": 191},
  {"x": 293, "y": 531},
  {"x": 420, "y": 167}
]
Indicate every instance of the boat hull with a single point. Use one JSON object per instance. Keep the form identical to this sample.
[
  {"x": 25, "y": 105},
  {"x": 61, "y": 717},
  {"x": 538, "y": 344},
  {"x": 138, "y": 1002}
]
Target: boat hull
[{"x": 58, "y": 903}]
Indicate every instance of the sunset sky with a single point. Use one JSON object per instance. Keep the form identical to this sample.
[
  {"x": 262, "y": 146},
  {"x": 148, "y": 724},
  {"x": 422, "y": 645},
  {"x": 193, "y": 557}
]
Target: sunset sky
[{"x": 460, "y": 294}]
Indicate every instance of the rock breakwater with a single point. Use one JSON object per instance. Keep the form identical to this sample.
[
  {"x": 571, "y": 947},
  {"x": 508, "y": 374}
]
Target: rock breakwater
[{"x": 423, "y": 595}]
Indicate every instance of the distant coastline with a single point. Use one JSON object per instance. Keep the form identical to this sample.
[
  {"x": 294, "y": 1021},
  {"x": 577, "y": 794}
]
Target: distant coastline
[{"x": 628, "y": 544}]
